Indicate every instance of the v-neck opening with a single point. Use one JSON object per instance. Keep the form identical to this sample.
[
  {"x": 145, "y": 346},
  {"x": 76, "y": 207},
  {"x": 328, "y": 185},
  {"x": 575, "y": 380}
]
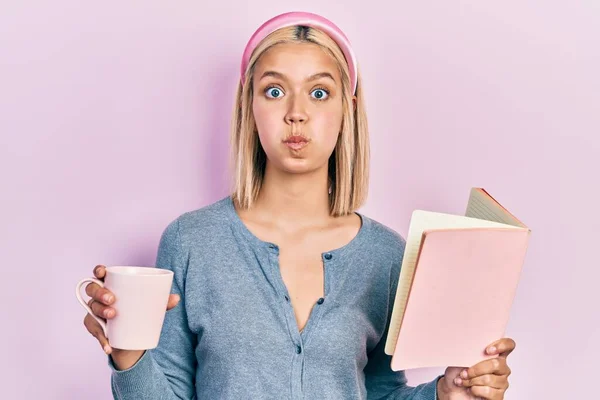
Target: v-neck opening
[{"x": 329, "y": 259}]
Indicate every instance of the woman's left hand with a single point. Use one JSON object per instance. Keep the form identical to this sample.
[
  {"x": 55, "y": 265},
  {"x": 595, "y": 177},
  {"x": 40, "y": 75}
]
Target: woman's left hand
[{"x": 485, "y": 380}]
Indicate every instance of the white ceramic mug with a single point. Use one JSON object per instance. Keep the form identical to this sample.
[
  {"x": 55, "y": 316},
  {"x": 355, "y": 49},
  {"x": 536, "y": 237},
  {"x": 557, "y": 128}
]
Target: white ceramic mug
[{"x": 141, "y": 297}]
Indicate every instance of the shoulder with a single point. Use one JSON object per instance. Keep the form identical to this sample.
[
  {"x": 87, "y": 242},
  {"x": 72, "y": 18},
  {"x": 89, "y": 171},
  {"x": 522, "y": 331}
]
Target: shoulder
[
  {"x": 205, "y": 222},
  {"x": 384, "y": 239}
]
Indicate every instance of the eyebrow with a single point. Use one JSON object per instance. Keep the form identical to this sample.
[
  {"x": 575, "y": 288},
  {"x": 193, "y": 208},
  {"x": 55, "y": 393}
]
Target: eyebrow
[{"x": 314, "y": 77}]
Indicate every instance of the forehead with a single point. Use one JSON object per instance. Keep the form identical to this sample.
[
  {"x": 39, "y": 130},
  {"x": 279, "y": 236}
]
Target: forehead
[{"x": 296, "y": 60}]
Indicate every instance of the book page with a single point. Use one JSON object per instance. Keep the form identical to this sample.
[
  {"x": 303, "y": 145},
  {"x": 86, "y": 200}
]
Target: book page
[
  {"x": 483, "y": 206},
  {"x": 421, "y": 221}
]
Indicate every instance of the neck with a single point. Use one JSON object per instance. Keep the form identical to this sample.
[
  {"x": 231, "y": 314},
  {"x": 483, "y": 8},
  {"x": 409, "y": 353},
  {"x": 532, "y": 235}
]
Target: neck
[{"x": 298, "y": 199}]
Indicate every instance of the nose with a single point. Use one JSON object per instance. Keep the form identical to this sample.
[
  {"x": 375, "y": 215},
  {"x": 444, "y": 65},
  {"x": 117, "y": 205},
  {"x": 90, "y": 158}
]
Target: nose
[{"x": 296, "y": 112}]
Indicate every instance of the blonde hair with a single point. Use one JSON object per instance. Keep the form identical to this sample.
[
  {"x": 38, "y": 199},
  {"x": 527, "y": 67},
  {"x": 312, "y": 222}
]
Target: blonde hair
[{"x": 349, "y": 162}]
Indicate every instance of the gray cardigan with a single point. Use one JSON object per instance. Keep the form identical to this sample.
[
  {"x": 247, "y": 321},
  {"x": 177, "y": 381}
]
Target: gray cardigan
[{"x": 234, "y": 334}]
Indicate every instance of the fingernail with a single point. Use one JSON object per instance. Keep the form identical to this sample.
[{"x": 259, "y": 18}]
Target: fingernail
[
  {"x": 457, "y": 381},
  {"x": 108, "y": 313},
  {"x": 107, "y": 349},
  {"x": 107, "y": 298},
  {"x": 492, "y": 350},
  {"x": 464, "y": 373}
]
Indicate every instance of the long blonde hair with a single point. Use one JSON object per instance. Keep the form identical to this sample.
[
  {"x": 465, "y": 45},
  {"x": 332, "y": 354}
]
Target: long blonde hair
[{"x": 349, "y": 163}]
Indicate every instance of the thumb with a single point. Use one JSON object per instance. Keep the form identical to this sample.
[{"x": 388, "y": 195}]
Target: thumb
[
  {"x": 452, "y": 372},
  {"x": 173, "y": 301}
]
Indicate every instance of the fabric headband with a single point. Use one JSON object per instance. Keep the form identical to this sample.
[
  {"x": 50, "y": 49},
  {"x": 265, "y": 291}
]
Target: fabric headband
[{"x": 302, "y": 19}]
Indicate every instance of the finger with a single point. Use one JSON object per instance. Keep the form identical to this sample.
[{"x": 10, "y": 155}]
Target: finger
[
  {"x": 491, "y": 380},
  {"x": 95, "y": 329},
  {"x": 173, "y": 301},
  {"x": 496, "y": 366},
  {"x": 488, "y": 393},
  {"x": 101, "y": 310},
  {"x": 100, "y": 271},
  {"x": 91, "y": 288},
  {"x": 503, "y": 347},
  {"x": 99, "y": 293}
]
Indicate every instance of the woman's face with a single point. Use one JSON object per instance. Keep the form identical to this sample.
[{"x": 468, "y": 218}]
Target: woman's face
[{"x": 297, "y": 106}]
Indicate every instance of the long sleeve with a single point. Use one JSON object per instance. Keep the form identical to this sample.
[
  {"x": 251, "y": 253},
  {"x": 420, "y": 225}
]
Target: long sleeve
[
  {"x": 380, "y": 380},
  {"x": 384, "y": 383},
  {"x": 168, "y": 371}
]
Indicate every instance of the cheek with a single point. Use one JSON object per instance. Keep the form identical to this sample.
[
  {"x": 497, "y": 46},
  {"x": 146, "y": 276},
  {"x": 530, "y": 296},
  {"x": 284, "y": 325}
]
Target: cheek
[
  {"x": 266, "y": 123},
  {"x": 329, "y": 124}
]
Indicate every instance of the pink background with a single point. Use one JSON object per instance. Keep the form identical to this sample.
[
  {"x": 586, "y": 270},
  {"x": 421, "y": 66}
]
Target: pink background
[{"x": 114, "y": 119}]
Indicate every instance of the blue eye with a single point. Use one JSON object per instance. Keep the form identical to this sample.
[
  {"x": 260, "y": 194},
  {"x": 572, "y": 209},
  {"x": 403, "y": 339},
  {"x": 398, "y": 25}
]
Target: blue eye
[
  {"x": 320, "y": 94},
  {"x": 273, "y": 92}
]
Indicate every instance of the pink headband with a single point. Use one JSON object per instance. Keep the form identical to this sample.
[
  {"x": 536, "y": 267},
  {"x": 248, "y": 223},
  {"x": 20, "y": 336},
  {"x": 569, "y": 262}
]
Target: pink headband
[{"x": 303, "y": 19}]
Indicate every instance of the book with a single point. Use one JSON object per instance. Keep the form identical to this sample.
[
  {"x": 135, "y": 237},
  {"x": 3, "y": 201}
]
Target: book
[{"x": 457, "y": 283}]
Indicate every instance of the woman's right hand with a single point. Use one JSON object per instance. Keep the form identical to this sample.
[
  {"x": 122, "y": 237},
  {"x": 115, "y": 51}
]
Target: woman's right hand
[{"x": 100, "y": 303}]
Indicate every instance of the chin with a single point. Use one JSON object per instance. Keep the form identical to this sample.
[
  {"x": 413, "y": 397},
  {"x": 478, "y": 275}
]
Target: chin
[
  {"x": 297, "y": 169},
  {"x": 296, "y": 166}
]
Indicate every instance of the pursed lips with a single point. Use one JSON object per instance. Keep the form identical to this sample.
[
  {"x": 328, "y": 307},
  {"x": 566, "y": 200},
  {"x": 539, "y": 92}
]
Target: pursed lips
[{"x": 296, "y": 142}]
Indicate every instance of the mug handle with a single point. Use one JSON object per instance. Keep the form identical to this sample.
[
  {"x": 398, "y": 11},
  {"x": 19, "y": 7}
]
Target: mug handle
[{"x": 85, "y": 305}]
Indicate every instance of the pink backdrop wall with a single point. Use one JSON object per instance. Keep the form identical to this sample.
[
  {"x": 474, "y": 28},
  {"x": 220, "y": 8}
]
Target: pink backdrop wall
[{"x": 114, "y": 119}]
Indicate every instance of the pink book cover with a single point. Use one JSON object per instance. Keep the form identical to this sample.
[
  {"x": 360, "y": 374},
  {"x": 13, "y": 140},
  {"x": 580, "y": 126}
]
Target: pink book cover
[{"x": 461, "y": 295}]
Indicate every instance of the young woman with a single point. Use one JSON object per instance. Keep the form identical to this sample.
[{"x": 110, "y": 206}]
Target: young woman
[{"x": 282, "y": 290}]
